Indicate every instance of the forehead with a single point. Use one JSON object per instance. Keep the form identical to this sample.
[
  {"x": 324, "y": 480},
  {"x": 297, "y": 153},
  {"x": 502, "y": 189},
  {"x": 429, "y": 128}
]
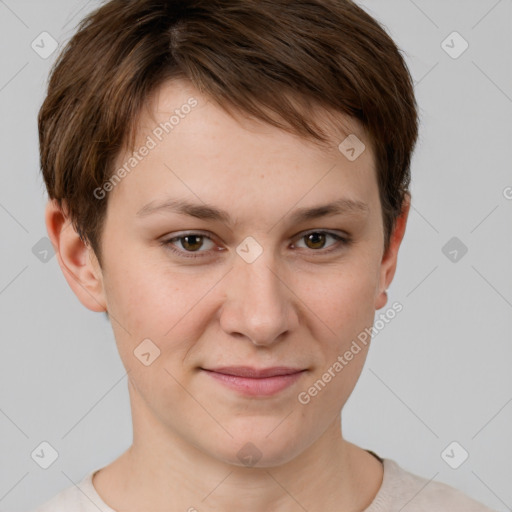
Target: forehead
[
  {"x": 200, "y": 151},
  {"x": 175, "y": 100}
]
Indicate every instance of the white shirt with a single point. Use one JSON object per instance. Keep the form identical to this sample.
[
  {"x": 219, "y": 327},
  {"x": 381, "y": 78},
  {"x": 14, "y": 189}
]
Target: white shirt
[{"x": 399, "y": 488}]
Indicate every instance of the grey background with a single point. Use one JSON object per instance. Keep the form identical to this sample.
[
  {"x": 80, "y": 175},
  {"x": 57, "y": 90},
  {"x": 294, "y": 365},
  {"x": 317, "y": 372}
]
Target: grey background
[{"x": 439, "y": 372}]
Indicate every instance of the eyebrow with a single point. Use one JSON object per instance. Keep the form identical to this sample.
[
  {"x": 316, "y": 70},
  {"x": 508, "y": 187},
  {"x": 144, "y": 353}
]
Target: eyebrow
[{"x": 209, "y": 212}]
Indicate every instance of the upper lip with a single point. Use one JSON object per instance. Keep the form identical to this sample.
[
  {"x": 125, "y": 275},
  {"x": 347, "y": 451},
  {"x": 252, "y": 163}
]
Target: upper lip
[{"x": 255, "y": 373}]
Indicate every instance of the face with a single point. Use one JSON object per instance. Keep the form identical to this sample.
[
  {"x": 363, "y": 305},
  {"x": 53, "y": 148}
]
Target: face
[{"x": 260, "y": 285}]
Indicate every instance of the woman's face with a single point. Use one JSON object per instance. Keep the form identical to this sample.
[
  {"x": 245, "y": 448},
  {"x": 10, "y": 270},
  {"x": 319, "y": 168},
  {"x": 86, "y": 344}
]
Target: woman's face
[{"x": 257, "y": 286}]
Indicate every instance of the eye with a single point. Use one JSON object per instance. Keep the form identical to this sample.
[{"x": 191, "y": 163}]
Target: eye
[
  {"x": 190, "y": 243},
  {"x": 315, "y": 240}
]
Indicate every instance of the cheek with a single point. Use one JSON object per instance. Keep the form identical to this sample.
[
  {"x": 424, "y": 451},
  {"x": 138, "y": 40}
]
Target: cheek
[
  {"x": 170, "y": 308},
  {"x": 340, "y": 302},
  {"x": 150, "y": 299}
]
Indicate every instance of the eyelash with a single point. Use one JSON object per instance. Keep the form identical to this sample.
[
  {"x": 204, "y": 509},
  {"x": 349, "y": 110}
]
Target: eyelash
[{"x": 341, "y": 243}]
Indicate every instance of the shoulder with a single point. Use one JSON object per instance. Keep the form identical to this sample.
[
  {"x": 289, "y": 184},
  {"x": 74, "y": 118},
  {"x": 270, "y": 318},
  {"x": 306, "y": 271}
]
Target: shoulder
[
  {"x": 68, "y": 499},
  {"x": 401, "y": 488},
  {"x": 77, "y": 498}
]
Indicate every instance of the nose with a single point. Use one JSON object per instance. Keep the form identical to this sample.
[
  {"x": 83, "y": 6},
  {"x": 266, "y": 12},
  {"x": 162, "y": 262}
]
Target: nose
[{"x": 259, "y": 302}]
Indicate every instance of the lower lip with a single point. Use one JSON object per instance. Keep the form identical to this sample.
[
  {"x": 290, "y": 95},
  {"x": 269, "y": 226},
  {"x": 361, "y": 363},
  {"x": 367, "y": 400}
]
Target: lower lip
[{"x": 256, "y": 387}]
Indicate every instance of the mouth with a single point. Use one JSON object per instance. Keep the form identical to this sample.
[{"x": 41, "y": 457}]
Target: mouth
[{"x": 253, "y": 381}]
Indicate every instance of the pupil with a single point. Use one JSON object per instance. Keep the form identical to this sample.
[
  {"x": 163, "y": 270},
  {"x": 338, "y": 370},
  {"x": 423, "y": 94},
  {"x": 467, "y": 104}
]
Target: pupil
[
  {"x": 319, "y": 239},
  {"x": 198, "y": 243}
]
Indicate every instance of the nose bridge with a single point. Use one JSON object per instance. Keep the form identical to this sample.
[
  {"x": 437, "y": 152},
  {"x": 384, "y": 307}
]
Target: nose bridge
[{"x": 257, "y": 302}]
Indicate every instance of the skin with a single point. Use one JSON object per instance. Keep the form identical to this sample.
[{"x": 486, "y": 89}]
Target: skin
[{"x": 295, "y": 305}]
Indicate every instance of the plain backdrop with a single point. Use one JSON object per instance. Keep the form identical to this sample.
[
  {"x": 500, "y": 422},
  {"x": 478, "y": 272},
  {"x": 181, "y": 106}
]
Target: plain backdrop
[{"x": 438, "y": 373}]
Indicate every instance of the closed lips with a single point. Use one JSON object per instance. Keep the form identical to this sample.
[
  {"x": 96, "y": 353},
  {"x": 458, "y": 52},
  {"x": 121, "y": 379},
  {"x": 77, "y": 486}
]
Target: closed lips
[{"x": 254, "y": 373}]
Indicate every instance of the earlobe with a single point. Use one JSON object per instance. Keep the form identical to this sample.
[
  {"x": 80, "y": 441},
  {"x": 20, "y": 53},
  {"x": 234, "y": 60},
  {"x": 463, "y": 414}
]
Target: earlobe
[
  {"x": 390, "y": 257},
  {"x": 382, "y": 299},
  {"x": 76, "y": 259}
]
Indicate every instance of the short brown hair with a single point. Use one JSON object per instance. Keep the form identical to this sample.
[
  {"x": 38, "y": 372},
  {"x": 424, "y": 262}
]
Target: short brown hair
[{"x": 253, "y": 55}]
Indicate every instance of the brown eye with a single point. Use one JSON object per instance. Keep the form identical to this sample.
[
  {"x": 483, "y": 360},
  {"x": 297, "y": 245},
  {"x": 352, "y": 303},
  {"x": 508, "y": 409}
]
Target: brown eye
[
  {"x": 189, "y": 243},
  {"x": 315, "y": 240},
  {"x": 192, "y": 242}
]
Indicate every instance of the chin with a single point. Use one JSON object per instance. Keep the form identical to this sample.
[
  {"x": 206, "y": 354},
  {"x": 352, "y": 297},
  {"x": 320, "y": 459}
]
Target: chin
[{"x": 259, "y": 446}]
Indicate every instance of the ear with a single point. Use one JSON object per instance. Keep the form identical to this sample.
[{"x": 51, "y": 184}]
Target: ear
[
  {"x": 389, "y": 259},
  {"x": 76, "y": 259}
]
